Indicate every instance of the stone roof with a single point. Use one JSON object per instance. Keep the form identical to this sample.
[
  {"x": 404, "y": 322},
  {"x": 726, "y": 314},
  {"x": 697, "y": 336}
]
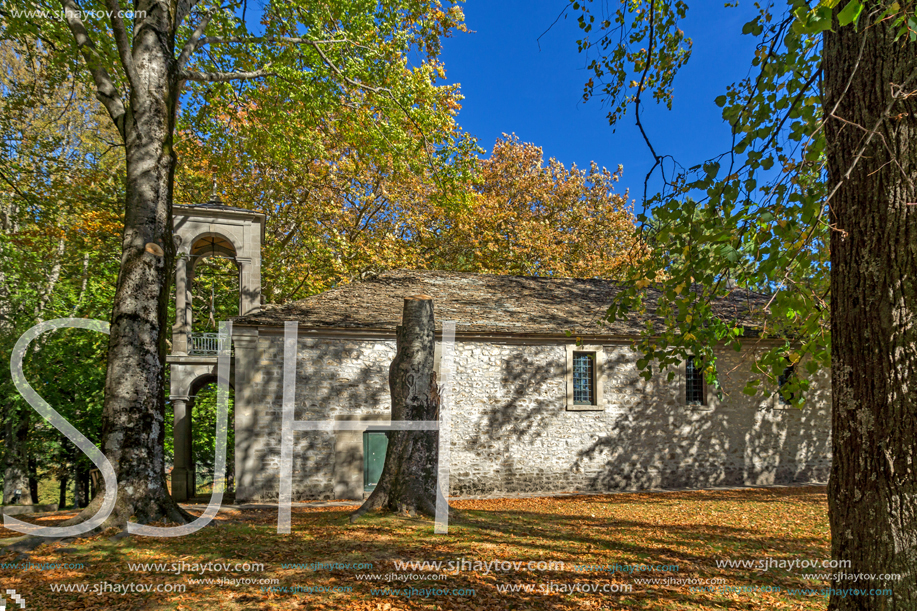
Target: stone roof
[{"x": 480, "y": 303}]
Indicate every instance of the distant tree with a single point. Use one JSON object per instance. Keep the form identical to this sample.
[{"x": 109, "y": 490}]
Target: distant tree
[
  {"x": 340, "y": 198},
  {"x": 60, "y": 194},
  {"x": 343, "y": 212},
  {"x": 527, "y": 217}
]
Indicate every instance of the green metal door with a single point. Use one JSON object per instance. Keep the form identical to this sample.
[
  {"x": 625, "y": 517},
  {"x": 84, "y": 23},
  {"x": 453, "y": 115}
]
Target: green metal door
[{"x": 374, "y": 446}]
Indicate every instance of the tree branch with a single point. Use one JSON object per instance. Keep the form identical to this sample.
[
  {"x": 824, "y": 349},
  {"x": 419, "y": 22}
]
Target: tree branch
[
  {"x": 220, "y": 40},
  {"x": 123, "y": 44},
  {"x": 340, "y": 73},
  {"x": 194, "y": 43},
  {"x": 106, "y": 91},
  {"x": 183, "y": 9},
  {"x": 315, "y": 44},
  {"x": 223, "y": 77}
]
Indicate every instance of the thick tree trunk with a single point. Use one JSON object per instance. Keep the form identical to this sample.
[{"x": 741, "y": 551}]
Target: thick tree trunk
[
  {"x": 134, "y": 410},
  {"x": 407, "y": 484},
  {"x": 873, "y": 486},
  {"x": 16, "y": 467}
]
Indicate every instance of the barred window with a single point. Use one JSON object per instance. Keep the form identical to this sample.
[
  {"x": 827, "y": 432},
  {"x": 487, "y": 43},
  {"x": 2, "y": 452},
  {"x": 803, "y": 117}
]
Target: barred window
[
  {"x": 784, "y": 397},
  {"x": 694, "y": 382},
  {"x": 584, "y": 378}
]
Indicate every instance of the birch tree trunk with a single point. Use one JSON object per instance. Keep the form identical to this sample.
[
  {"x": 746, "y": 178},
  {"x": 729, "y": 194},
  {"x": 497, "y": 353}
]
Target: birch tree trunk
[
  {"x": 872, "y": 160},
  {"x": 407, "y": 484}
]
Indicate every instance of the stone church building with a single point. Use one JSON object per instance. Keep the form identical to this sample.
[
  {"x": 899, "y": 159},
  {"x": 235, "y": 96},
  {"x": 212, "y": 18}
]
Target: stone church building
[{"x": 532, "y": 411}]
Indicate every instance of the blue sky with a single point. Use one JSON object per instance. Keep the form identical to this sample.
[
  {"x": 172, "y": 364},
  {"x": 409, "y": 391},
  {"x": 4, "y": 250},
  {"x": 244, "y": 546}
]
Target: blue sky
[{"x": 512, "y": 86}]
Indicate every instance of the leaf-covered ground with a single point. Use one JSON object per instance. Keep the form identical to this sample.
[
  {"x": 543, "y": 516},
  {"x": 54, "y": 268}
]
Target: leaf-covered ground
[{"x": 601, "y": 540}]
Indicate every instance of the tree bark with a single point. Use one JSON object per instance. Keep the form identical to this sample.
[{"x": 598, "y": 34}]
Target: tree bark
[
  {"x": 81, "y": 486},
  {"x": 62, "y": 492},
  {"x": 33, "y": 477},
  {"x": 16, "y": 468},
  {"x": 407, "y": 484},
  {"x": 872, "y": 160},
  {"x": 134, "y": 409}
]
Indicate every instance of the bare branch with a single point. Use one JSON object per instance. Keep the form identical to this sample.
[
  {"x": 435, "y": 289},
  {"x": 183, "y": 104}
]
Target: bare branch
[
  {"x": 123, "y": 44},
  {"x": 106, "y": 91},
  {"x": 218, "y": 40},
  {"x": 224, "y": 77},
  {"x": 657, "y": 160}
]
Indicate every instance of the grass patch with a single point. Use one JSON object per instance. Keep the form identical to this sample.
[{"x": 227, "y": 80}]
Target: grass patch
[{"x": 597, "y": 538}]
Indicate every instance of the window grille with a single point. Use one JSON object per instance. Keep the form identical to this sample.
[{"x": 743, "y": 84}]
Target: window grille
[
  {"x": 584, "y": 378},
  {"x": 785, "y": 398},
  {"x": 694, "y": 382}
]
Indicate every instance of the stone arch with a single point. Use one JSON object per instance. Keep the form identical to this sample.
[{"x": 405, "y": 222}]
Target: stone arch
[
  {"x": 192, "y": 378},
  {"x": 212, "y": 242},
  {"x": 212, "y": 228}
]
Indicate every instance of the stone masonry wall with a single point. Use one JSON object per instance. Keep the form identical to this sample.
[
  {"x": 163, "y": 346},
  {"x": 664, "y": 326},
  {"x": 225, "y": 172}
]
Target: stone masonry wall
[{"x": 512, "y": 432}]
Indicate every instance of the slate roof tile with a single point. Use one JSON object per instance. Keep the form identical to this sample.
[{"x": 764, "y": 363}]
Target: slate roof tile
[{"x": 482, "y": 303}]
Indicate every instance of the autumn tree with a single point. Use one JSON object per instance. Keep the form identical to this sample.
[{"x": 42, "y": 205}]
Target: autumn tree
[
  {"x": 139, "y": 62},
  {"x": 343, "y": 204},
  {"x": 529, "y": 217},
  {"x": 408, "y": 482},
  {"x": 813, "y": 204},
  {"x": 60, "y": 194},
  {"x": 351, "y": 209}
]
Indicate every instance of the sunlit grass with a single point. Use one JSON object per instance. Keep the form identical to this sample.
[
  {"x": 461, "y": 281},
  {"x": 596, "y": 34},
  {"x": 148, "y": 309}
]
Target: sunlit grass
[{"x": 690, "y": 530}]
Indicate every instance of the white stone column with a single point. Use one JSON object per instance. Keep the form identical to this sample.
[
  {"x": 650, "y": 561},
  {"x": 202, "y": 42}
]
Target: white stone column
[
  {"x": 183, "y": 484},
  {"x": 182, "y": 328},
  {"x": 249, "y": 284}
]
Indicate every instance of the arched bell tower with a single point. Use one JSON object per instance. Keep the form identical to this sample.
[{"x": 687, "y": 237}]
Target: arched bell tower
[
  {"x": 200, "y": 231},
  {"x": 213, "y": 229}
]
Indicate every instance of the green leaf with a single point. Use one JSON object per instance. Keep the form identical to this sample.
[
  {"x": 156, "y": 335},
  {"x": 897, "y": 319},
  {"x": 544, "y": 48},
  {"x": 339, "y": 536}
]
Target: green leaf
[
  {"x": 730, "y": 253},
  {"x": 720, "y": 101},
  {"x": 850, "y": 13}
]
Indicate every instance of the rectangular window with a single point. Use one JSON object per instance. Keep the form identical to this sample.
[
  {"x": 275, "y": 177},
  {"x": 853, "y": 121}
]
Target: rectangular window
[
  {"x": 694, "y": 382},
  {"x": 584, "y": 378},
  {"x": 785, "y": 398}
]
